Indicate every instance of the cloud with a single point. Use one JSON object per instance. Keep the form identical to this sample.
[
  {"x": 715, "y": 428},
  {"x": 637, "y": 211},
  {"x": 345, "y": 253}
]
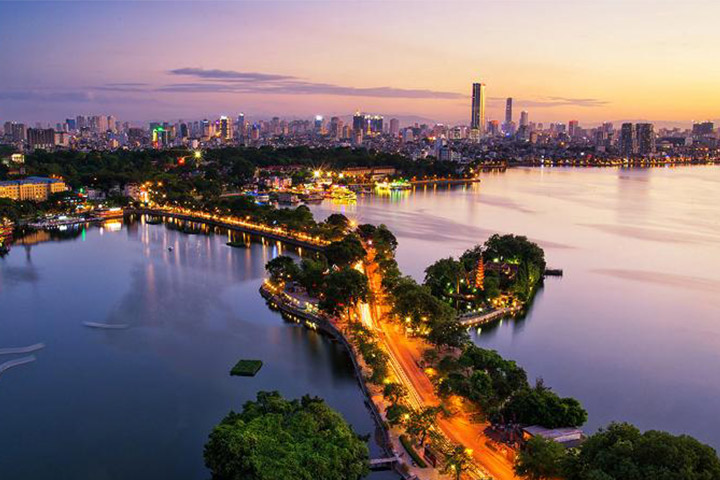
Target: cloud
[
  {"x": 549, "y": 102},
  {"x": 265, "y": 83},
  {"x": 230, "y": 75},
  {"x": 47, "y": 96}
]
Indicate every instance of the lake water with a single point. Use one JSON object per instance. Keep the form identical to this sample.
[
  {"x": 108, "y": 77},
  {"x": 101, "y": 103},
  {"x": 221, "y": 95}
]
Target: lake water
[
  {"x": 633, "y": 327},
  {"x": 139, "y": 403}
]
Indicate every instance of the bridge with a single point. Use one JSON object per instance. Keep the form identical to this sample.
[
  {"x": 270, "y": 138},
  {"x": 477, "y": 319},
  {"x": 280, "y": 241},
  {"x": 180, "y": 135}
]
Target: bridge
[
  {"x": 486, "y": 318},
  {"x": 298, "y": 239},
  {"x": 383, "y": 463}
]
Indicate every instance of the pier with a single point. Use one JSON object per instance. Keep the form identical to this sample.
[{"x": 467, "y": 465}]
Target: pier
[{"x": 477, "y": 320}]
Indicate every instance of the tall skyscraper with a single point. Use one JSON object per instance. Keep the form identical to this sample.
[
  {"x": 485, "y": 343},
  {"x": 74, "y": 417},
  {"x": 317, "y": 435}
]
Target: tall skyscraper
[
  {"x": 524, "y": 118},
  {"x": 645, "y": 133},
  {"x": 573, "y": 128},
  {"x": 477, "y": 119},
  {"x": 394, "y": 127},
  {"x": 628, "y": 139},
  {"x": 241, "y": 127},
  {"x": 508, "y": 111},
  {"x": 226, "y": 132},
  {"x": 359, "y": 122}
]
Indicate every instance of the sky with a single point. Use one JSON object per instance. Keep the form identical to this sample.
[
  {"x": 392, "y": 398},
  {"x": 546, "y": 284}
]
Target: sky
[{"x": 590, "y": 60}]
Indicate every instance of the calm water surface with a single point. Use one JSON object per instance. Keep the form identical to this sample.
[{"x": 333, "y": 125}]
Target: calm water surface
[
  {"x": 633, "y": 328},
  {"x": 139, "y": 403}
]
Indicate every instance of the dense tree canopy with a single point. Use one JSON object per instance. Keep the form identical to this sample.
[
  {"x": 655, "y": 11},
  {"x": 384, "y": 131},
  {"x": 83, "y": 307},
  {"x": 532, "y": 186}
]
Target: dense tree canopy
[
  {"x": 345, "y": 252},
  {"x": 540, "y": 459},
  {"x": 282, "y": 268},
  {"x": 343, "y": 288},
  {"x": 622, "y": 452},
  {"x": 276, "y": 439}
]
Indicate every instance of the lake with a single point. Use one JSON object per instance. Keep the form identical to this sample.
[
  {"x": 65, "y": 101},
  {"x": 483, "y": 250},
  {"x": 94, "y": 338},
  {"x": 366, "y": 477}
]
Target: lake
[
  {"x": 139, "y": 403},
  {"x": 633, "y": 328}
]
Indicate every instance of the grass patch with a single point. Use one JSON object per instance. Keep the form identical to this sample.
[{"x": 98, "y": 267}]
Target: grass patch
[
  {"x": 246, "y": 368},
  {"x": 411, "y": 451}
]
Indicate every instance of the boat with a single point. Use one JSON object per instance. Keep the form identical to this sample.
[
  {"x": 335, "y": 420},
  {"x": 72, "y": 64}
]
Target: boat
[
  {"x": 170, "y": 249},
  {"x": 343, "y": 195},
  {"x": 238, "y": 244},
  {"x": 288, "y": 198},
  {"x": 313, "y": 197},
  {"x": 153, "y": 221}
]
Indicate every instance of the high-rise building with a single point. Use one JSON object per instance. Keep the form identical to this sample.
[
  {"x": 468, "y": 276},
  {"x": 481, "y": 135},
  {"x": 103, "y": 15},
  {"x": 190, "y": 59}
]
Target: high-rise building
[
  {"x": 508, "y": 111},
  {"x": 71, "y": 124},
  {"x": 111, "y": 123},
  {"x": 319, "y": 124},
  {"x": 703, "y": 129},
  {"x": 628, "y": 139},
  {"x": 225, "y": 129},
  {"x": 241, "y": 127},
  {"x": 524, "y": 119},
  {"x": 573, "y": 128},
  {"x": 16, "y": 132},
  {"x": 359, "y": 122},
  {"x": 335, "y": 127},
  {"x": 493, "y": 128},
  {"x": 42, "y": 138},
  {"x": 645, "y": 133},
  {"x": 394, "y": 127},
  {"x": 477, "y": 118},
  {"x": 375, "y": 124}
]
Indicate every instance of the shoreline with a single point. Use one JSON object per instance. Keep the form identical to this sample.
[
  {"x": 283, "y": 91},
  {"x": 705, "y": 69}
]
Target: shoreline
[{"x": 319, "y": 323}]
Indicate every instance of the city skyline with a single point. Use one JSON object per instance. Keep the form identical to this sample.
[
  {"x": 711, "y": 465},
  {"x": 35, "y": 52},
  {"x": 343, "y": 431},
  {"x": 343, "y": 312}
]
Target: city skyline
[{"x": 272, "y": 59}]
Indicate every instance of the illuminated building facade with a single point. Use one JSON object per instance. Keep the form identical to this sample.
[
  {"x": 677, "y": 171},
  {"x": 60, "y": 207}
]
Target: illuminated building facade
[
  {"x": 36, "y": 189},
  {"x": 477, "y": 119}
]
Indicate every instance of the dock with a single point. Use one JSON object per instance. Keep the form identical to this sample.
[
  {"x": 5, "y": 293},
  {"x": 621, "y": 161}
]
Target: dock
[{"x": 486, "y": 318}]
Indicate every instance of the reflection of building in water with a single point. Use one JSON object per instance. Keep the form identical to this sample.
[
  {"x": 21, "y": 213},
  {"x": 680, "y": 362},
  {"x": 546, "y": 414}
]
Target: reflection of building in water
[{"x": 42, "y": 236}]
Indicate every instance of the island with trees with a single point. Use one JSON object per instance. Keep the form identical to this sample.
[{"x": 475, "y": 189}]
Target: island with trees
[{"x": 273, "y": 438}]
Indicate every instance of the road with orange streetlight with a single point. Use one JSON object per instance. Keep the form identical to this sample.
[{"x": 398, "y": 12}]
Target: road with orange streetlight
[{"x": 405, "y": 359}]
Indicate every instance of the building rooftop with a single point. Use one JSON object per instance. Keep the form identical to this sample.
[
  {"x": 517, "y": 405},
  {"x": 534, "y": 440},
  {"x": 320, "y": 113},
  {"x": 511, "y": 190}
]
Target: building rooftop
[{"x": 31, "y": 180}]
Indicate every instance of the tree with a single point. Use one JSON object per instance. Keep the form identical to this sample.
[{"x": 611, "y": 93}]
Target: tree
[
  {"x": 447, "y": 333},
  {"x": 312, "y": 275},
  {"x": 542, "y": 406},
  {"x": 514, "y": 249},
  {"x": 415, "y": 304},
  {"x": 273, "y": 438},
  {"x": 421, "y": 421},
  {"x": 397, "y": 414},
  {"x": 446, "y": 278},
  {"x": 345, "y": 252},
  {"x": 282, "y": 268},
  {"x": 343, "y": 288},
  {"x": 457, "y": 462},
  {"x": 622, "y": 452},
  {"x": 338, "y": 220},
  {"x": 394, "y": 392},
  {"x": 540, "y": 459}
]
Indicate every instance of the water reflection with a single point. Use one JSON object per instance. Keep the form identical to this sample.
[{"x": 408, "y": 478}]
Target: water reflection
[
  {"x": 631, "y": 329},
  {"x": 140, "y": 402}
]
